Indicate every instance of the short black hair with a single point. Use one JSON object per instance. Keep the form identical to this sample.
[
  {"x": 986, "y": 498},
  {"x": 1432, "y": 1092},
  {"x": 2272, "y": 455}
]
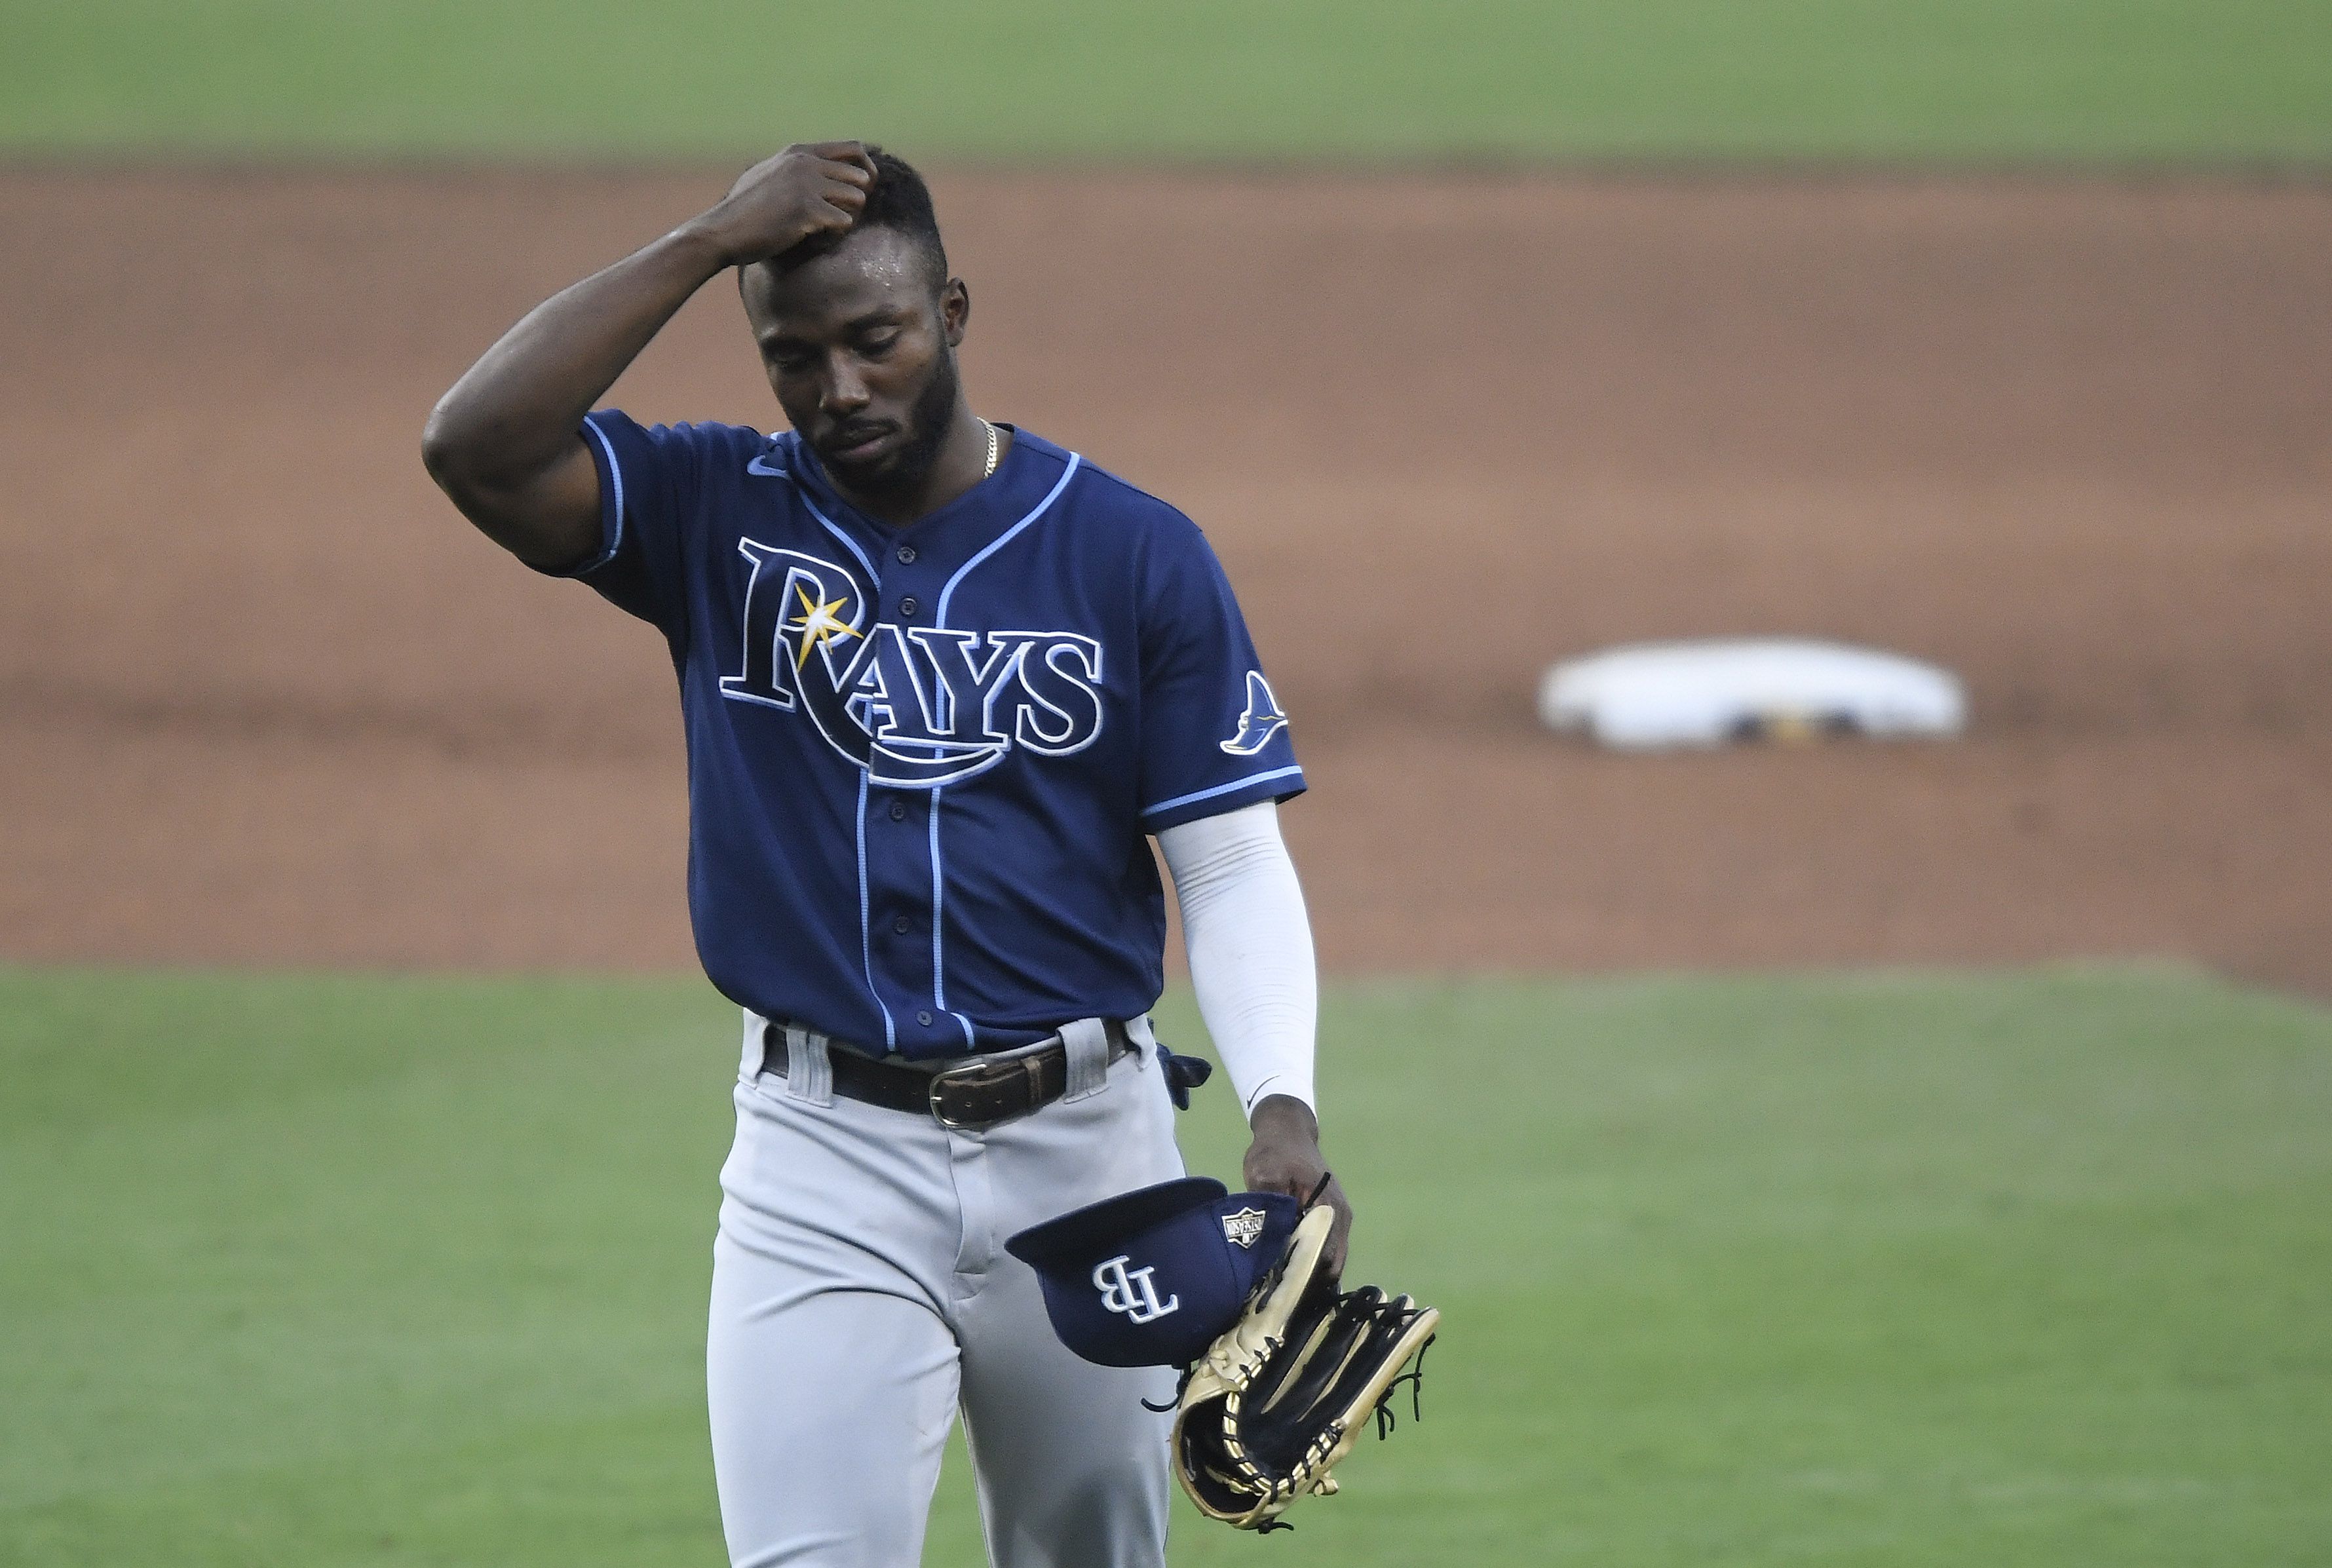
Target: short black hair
[{"x": 899, "y": 201}]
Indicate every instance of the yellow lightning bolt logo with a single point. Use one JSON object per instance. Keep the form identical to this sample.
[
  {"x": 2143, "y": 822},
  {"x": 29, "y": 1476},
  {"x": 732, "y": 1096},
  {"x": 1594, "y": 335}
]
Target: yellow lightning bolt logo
[{"x": 819, "y": 625}]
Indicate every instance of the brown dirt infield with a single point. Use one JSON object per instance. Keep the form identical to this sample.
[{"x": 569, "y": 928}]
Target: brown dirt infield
[{"x": 265, "y": 698}]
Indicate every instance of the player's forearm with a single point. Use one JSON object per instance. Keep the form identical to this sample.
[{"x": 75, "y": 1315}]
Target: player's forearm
[
  {"x": 515, "y": 413},
  {"x": 1250, "y": 947}
]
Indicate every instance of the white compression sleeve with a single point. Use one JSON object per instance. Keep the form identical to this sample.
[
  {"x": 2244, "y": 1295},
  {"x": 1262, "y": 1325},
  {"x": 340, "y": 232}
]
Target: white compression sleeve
[{"x": 1250, "y": 947}]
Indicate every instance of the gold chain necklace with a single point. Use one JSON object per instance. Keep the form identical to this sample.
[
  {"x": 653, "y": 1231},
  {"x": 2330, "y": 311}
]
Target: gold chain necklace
[{"x": 992, "y": 449}]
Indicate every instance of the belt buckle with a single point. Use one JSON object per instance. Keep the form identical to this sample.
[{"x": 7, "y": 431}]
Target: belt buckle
[{"x": 938, "y": 1114}]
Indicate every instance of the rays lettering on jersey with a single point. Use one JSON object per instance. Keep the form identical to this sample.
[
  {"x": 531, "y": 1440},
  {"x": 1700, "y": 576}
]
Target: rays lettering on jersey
[{"x": 915, "y": 707}]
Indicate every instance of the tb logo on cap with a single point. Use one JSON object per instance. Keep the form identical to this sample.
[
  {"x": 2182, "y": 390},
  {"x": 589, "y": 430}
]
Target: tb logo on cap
[{"x": 1131, "y": 1292}]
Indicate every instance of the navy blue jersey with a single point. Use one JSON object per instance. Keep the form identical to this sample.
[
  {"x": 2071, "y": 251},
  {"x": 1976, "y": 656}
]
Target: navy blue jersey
[{"x": 922, "y": 761}]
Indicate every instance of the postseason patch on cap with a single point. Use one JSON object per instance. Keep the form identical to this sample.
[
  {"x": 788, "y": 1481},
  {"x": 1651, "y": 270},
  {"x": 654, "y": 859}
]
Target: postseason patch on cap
[
  {"x": 1151, "y": 1277},
  {"x": 1243, "y": 1226}
]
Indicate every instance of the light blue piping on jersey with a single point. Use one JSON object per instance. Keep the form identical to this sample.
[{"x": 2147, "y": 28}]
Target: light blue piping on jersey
[
  {"x": 847, "y": 542},
  {"x": 756, "y": 466},
  {"x": 939, "y": 871},
  {"x": 865, "y": 931},
  {"x": 865, "y": 941},
  {"x": 616, "y": 470},
  {"x": 1218, "y": 789},
  {"x": 1006, "y": 538},
  {"x": 939, "y": 926}
]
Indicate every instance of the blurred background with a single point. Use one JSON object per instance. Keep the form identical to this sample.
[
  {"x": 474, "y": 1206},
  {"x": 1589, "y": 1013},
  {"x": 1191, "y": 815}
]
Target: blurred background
[{"x": 1855, "y": 1152}]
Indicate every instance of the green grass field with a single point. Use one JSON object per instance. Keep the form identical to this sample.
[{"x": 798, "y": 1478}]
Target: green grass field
[
  {"x": 1995, "y": 1270},
  {"x": 1992, "y": 1271},
  {"x": 1986, "y": 81}
]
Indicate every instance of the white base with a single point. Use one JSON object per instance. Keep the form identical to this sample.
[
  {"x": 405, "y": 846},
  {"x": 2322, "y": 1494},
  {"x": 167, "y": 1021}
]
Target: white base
[{"x": 1650, "y": 696}]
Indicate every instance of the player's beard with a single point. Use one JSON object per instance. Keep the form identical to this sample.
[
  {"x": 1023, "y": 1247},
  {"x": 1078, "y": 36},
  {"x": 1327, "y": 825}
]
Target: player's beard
[{"x": 904, "y": 471}]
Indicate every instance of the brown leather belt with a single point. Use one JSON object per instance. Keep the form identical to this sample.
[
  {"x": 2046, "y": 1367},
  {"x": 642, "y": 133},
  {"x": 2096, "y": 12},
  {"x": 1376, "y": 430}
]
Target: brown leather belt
[{"x": 968, "y": 1097}]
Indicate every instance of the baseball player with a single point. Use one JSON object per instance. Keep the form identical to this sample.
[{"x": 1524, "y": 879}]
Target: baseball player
[{"x": 943, "y": 680}]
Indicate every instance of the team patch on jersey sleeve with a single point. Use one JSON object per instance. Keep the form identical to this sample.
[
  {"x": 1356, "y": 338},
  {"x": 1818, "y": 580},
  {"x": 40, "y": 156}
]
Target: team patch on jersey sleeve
[{"x": 1261, "y": 720}]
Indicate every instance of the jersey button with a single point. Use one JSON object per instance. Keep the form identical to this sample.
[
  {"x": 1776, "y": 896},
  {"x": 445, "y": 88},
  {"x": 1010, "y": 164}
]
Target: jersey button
[
  {"x": 898, "y": 811},
  {"x": 901, "y": 924},
  {"x": 924, "y": 1018},
  {"x": 907, "y": 606},
  {"x": 906, "y": 555}
]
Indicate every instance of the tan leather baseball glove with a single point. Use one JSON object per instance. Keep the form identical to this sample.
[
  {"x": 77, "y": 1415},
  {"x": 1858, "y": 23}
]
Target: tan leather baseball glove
[{"x": 1281, "y": 1397}]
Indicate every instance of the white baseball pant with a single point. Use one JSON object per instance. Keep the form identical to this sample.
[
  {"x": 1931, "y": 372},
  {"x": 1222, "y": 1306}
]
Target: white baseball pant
[{"x": 862, "y": 1295}]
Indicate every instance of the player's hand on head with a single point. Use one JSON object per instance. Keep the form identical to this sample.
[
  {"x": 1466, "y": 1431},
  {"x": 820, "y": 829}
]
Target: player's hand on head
[
  {"x": 1285, "y": 1157},
  {"x": 810, "y": 188}
]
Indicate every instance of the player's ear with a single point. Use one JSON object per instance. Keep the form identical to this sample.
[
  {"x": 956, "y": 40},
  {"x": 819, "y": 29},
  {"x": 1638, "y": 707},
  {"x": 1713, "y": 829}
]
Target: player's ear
[{"x": 955, "y": 309}]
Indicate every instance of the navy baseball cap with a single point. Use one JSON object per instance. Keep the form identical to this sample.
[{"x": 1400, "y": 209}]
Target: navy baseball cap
[{"x": 1151, "y": 1277}]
